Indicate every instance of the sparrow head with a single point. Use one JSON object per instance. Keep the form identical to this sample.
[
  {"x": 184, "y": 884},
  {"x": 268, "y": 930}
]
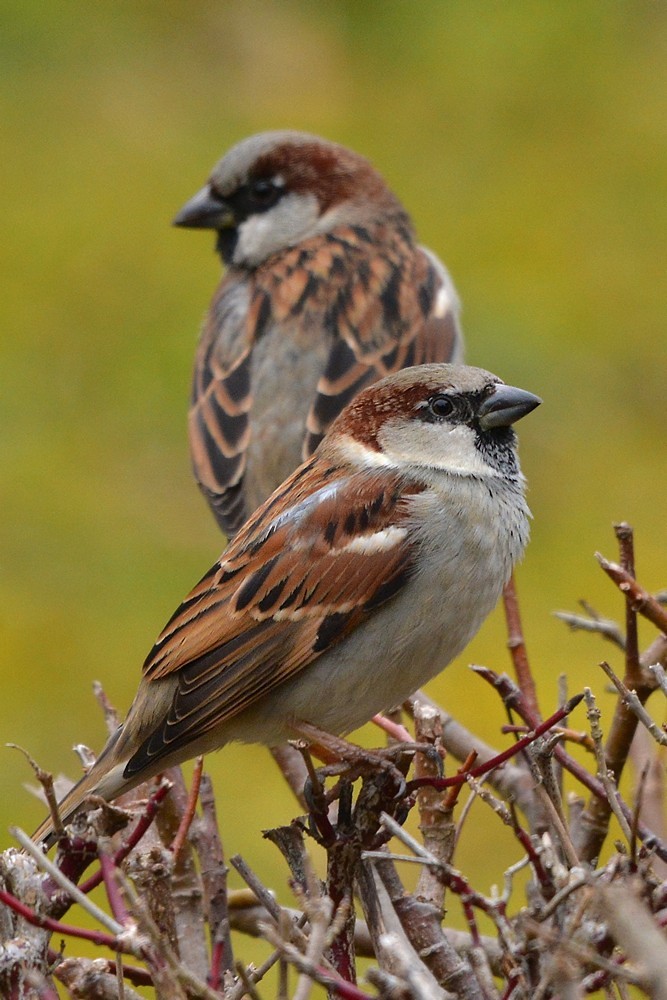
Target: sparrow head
[
  {"x": 452, "y": 418},
  {"x": 275, "y": 189}
]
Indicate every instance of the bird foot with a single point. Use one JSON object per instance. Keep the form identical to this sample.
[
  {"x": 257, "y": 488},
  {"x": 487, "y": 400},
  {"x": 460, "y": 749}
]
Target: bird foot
[{"x": 350, "y": 761}]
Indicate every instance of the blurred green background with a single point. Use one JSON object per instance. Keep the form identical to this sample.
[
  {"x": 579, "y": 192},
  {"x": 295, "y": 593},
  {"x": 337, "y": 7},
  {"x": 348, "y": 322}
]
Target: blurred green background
[{"x": 529, "y": 142}]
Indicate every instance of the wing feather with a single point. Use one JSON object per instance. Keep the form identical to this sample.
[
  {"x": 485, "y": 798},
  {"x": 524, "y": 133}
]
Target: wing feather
[
  {"x": 294, "y": 583},
  {"x": 221, "y": 400},
  {"x": 407, "y": 315}
]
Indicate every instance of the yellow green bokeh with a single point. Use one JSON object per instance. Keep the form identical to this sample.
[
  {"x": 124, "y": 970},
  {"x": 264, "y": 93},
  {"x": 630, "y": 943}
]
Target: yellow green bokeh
[{"x": 529, "y": 142}]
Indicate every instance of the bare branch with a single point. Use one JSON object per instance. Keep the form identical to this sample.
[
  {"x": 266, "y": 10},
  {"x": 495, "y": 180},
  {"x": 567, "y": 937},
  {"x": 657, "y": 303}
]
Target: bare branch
[
  {"x": 634, "y": 704},
  {"x": 641, "y": 601},
  {"x": 517, "y": 646},
  {"x": 604, "y": 627}
]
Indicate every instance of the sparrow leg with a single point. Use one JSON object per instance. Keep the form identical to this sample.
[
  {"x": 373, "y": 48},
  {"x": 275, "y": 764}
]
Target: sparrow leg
[
  {"x": 352, "y": 761},
  {"x": 332, "y": 750}
]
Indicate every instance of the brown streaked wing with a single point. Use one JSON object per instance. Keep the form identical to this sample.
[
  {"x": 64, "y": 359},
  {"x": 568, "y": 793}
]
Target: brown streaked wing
[
  {"x": 391, "y": 326},
  {"x": 218, "y": 421},
  {"x": 284, "y": 594}
]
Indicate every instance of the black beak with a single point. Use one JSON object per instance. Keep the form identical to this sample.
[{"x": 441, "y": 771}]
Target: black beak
[
  {"x": 505, "y": 406},
  {"x": 205, "y": 211}
]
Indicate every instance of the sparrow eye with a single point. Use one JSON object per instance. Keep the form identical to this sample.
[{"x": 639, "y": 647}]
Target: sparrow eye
[
  {"x": 264, "y": 192},
  {"x": 441, "y": 406}
]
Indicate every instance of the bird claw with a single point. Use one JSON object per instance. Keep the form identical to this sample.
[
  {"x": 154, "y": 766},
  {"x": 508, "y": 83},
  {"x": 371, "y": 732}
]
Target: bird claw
[{"x": 313, "y": 798}]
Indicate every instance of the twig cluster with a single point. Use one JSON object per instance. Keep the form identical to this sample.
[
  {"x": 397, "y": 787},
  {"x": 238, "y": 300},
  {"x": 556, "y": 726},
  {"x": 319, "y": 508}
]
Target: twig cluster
[{"x": 589, "y": 917}]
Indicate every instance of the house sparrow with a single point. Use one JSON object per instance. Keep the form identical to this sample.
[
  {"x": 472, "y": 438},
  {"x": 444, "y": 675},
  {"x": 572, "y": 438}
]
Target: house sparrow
[
  {"x": 326, "y": 291},
  {"x": 359, "y": 579}
]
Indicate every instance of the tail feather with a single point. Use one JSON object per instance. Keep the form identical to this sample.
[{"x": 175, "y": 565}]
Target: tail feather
[{"x": 105, "y": 778}]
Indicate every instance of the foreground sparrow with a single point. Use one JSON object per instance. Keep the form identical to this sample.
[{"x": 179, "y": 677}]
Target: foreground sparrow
[
  {"x": 359, "y": 579},
  {"x": 325, "y": 292}
]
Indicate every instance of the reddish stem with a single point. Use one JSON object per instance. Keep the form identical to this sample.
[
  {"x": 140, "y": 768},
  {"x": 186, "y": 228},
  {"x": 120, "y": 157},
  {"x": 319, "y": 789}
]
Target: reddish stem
[
  {"x": 490, "y": 765},
  {"x": 512, "y": 696},
  {"x": 190, "y": 807},
  {"x": 49, "y": 924},
  {"x": 517, "y": 646},
  {"x": 542, "y": 876},
  {"x": 465, "y": 769},
  {"x": 640, "y": 599},
  {"x": 344, "y": 989},
  {"x": 215, "y": 975},
  {"x": 116, "y": 901},
  {"x": 393, "y": 729},
  {"x": 627, "y": 556}
]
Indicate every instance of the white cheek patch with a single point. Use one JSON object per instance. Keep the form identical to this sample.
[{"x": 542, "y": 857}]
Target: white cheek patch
[
  {"x": 293, "y": 219},
  {"x": 359, "y": 454},
  {"x": 381, "y": 541},
  {"x": 458, "y": 454},
  {"x": 435, "y": 446},
  {"x": 254, "y": 237}
]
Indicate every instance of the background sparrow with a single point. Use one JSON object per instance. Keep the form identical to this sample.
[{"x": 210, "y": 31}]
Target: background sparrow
[
  {"x": 326, "y": 291},
  {"x": 357, "y": 581}
]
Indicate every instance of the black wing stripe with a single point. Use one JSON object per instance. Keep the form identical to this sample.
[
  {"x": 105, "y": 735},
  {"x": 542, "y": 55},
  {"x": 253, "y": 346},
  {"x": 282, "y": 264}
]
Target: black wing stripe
[
  {"x": 234, "y": 427},
  {"x": 197, "y": 709},
  {"x": 229, "y": 507},
  {"x": 226, "y": 471}
]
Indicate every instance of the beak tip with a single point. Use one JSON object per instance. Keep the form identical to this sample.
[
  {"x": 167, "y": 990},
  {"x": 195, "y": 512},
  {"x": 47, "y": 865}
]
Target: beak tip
[
  {"x": 180, "y": 219},
  {"x": 507, "y": 405},
  {"x": 203, "y": 211}
]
